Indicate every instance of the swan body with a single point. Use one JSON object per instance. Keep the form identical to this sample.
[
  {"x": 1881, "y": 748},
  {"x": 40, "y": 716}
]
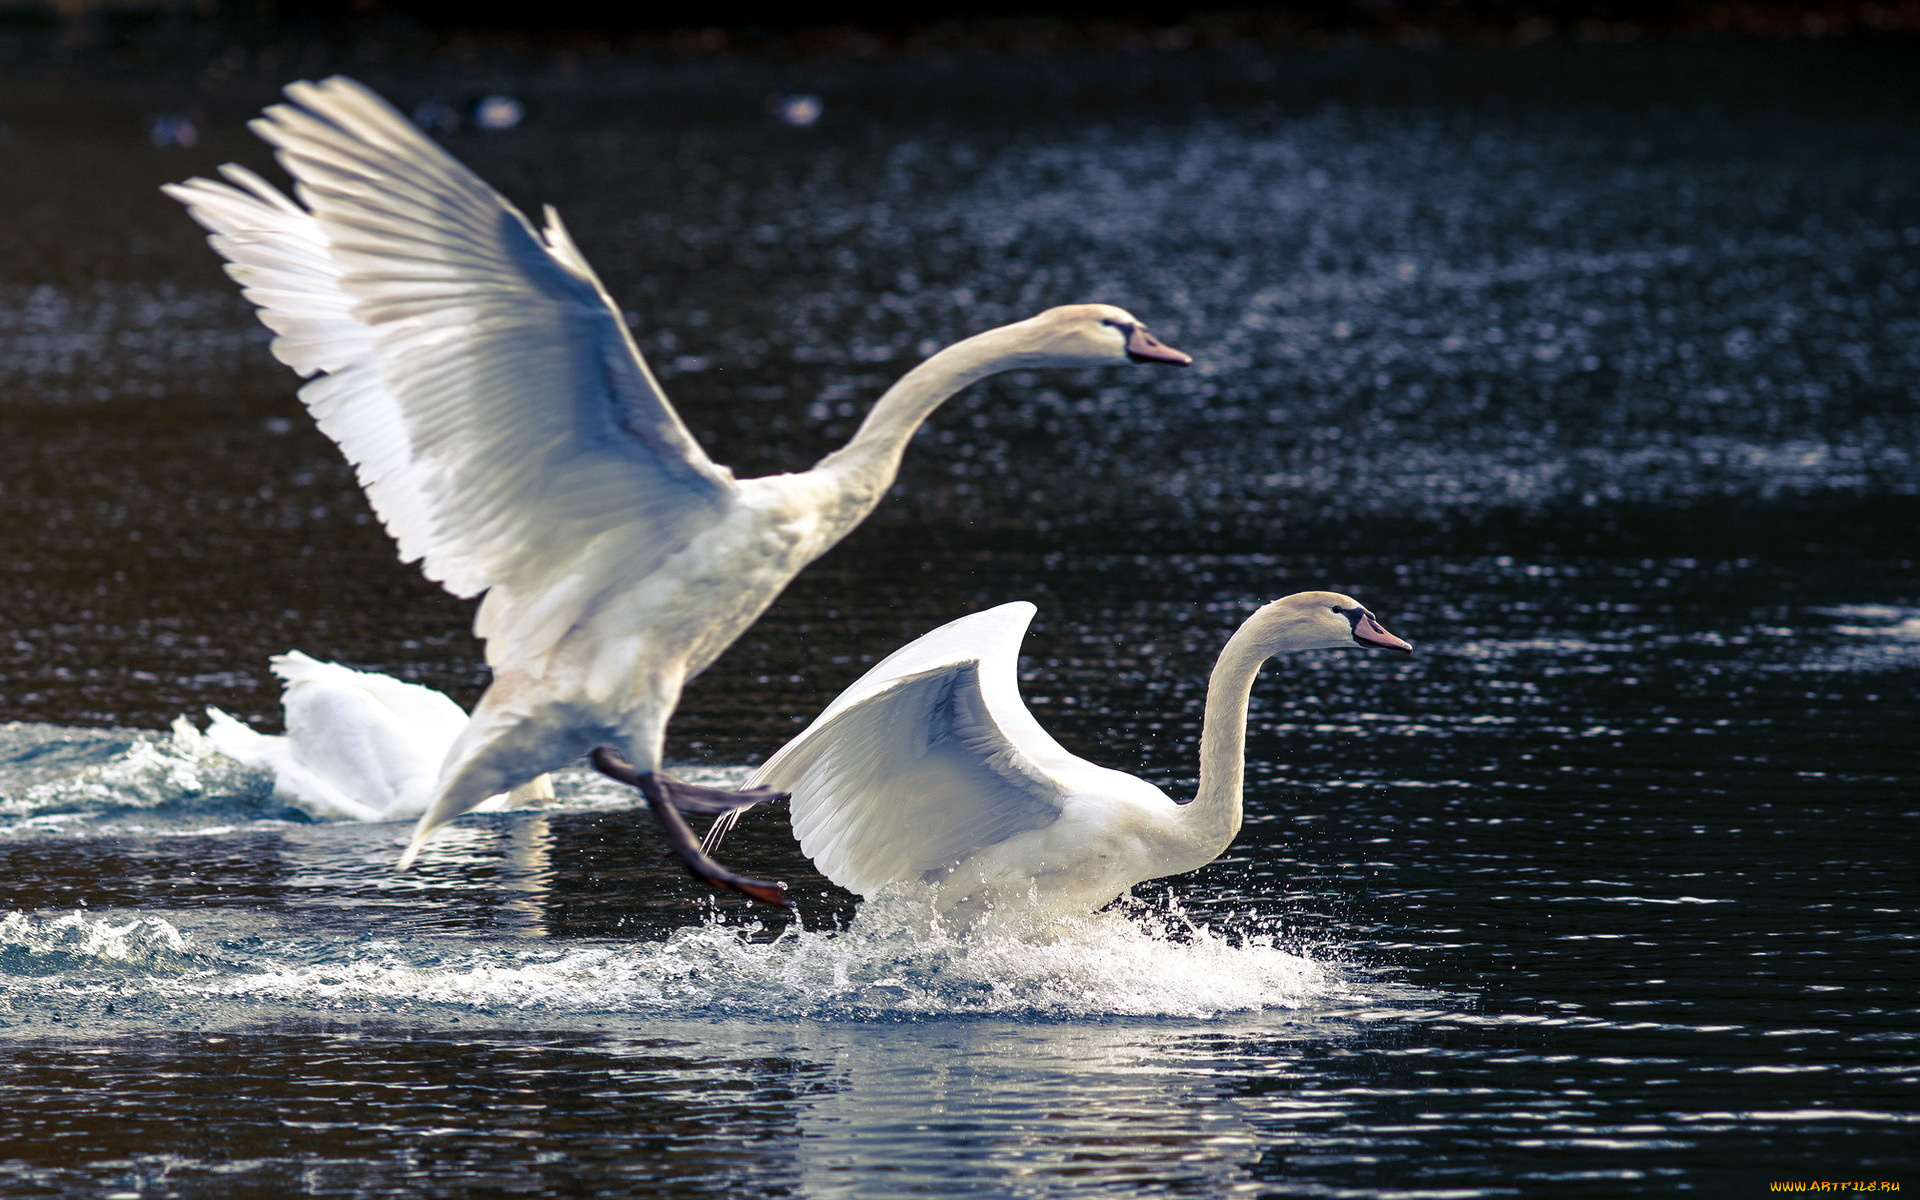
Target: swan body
[
  {"x": 512, "y": 439},
  {"x": 930, "y": 769},
  {"x": 359, "y": 745}
]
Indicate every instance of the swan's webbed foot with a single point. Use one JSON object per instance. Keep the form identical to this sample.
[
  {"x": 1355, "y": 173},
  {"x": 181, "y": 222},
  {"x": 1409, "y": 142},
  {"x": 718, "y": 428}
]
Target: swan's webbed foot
[{"x": 664, "y": 794}]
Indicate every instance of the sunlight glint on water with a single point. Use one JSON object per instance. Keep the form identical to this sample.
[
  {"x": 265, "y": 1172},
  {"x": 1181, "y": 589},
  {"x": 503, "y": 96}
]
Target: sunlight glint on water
[{"x": 1607, "y": 404}]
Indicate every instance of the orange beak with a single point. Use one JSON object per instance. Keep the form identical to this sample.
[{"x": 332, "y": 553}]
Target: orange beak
[
  {"x": 1368, "y": 632},
  {"x": 1144, "y": 347}
]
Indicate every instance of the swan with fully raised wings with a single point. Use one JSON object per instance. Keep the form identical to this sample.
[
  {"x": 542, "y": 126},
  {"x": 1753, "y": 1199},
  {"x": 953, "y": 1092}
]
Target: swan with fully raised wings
[
  {"x": 512, "y": 439},
  {"x": 929, "y": 769}
]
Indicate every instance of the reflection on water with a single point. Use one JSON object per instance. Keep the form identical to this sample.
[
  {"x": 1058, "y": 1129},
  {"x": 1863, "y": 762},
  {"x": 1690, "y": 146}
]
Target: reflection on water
[
  {"x": 752, "y": 1109},
  {"x": 1605, "y": 890}
]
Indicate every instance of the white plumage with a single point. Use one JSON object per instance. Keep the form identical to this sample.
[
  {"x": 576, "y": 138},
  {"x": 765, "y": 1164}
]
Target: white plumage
[
  {"x": 930, "y": 769},
  {"x": 511, "y": 437},
  {"x": 359, "y": 745}
]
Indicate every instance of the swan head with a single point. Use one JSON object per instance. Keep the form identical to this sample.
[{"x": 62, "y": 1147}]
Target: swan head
[
  {"x": 1323, "y": 621},
  {"x": 1092, "y": 335}
]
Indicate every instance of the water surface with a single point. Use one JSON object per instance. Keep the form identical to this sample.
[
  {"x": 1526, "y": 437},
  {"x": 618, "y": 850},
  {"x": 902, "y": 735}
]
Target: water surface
[{"x": 1607, "y": 406}]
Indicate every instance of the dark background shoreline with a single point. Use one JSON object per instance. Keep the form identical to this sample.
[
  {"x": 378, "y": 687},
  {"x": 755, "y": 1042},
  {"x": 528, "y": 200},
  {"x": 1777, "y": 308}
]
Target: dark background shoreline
[{"x": 223, "y": 38}]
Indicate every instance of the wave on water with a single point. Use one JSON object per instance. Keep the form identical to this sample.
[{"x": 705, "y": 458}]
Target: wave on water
[
  {"x": 50, "y": 771},
  {"x": 55, "y": 779},
  {"x": 895, "y": 960},
  {"x": 1876, "y": 621},
  {"x": 80, "y": 944},
  {"x": 1875, "y": 638}
]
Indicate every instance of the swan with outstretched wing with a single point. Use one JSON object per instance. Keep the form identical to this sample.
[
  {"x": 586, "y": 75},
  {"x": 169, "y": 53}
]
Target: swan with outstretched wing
[
  {"x": 510, "y": 436},
  {"x": 930, "y": 769}
]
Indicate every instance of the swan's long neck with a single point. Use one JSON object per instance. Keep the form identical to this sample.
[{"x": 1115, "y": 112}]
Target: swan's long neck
[
  {"x": 1209, "y": 824},
  {"x": 864, "y": 468}
]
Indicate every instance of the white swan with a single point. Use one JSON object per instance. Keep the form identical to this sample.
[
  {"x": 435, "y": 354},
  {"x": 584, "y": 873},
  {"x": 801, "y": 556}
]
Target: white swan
[
  {"x": 359, "y": 744},
  {"x": 510, "y": 436},
  {"x": 931, "y": 769}
]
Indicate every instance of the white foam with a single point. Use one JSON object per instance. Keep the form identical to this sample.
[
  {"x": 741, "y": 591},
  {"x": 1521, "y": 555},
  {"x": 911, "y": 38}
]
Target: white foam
[
  {"x": 50, "y": 775},
  {"x": 76, "y": 941},
  {"x": 895, "y": 959},
  {"x": 49, "y": 769}
]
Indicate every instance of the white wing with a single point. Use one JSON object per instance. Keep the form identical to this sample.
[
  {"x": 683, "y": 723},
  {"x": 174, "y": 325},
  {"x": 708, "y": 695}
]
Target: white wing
[
  {"x": 926, "y": 758},
  {"x": 359, "y": 744},
  {"x": 293, "y": 781},
  {"x": 373, "y": 737},
  {"x": 502, "y": 421},
  {"x": 431, "y": 714}
]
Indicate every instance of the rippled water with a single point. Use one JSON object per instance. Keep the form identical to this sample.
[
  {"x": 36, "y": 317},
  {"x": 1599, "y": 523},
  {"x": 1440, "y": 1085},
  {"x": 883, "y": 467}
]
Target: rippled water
[{"x": 1608, "y": 890}]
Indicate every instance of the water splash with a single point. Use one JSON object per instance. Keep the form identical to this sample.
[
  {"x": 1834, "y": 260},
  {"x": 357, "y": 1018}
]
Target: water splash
[
  {"x": 80, "y": 943},
  {"x": 896, "y": 959},
  {"x": 50, "y": 769},
  {"x": 56, "y": 778}
]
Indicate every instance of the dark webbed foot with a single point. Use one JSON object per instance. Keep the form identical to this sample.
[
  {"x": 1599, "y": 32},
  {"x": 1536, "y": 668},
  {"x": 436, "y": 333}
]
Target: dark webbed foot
[{"x": 664, "y": 795}]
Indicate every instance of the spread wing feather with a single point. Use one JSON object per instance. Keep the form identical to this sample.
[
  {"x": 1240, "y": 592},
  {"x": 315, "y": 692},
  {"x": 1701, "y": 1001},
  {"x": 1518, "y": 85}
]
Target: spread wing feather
[
  {"x": 926, "y": 758},
  {"x": 474, "y": 370}
]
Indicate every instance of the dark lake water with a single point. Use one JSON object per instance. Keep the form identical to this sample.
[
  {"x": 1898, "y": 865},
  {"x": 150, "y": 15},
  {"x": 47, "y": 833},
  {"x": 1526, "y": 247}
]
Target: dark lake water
[{"x": 1592, "y": 371}]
